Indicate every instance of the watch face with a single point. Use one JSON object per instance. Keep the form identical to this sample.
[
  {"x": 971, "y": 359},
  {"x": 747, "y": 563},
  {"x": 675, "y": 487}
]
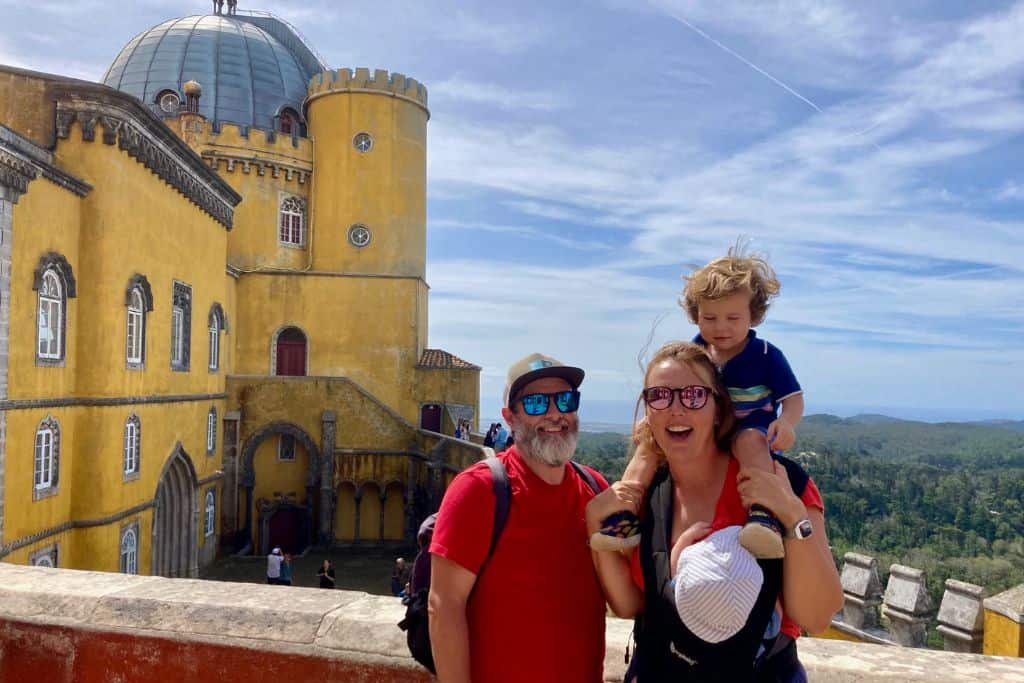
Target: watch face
[{"x": 804, "y": 528}]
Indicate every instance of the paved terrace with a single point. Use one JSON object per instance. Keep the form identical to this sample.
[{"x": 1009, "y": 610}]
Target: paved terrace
[{"x": 65, "y": 626}]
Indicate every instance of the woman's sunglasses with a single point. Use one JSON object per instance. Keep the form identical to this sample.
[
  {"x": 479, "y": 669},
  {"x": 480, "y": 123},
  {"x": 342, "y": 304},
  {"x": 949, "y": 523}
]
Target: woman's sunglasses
[
  {"x": 692, "y": 397},
  {"x": 537, "y": 404}
]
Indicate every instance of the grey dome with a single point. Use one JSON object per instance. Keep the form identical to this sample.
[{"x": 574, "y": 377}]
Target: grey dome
[{"x": 250, "y": 68}]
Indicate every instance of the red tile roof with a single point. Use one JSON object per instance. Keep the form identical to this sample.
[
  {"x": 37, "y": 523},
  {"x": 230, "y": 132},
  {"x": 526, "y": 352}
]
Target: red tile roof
[{"x": 436, "y": 359}]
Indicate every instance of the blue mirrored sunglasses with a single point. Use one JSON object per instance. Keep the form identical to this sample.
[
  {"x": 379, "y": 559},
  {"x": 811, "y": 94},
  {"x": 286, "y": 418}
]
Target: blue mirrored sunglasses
[{"x": 537, "y": 404}]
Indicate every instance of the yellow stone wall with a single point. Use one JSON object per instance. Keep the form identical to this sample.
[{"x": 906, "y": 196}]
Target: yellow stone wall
[
  {"x": 131, "y": 222},
  {"x": 1003, "y": 636}
]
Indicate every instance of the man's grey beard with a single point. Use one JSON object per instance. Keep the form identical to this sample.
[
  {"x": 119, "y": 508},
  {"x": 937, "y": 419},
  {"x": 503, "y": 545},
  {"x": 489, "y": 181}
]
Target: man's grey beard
[{"x": 554, "y": 449}]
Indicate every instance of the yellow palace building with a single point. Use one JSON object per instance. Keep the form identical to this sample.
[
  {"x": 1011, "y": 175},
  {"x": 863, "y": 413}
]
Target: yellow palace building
[{"x": 213, "y": 306}]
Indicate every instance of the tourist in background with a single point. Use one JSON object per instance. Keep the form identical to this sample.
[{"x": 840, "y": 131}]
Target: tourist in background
[
  {"x": 400, "y": 574},
  {"x": 326, "y": 574},
  {"x": 698, "y": 630},
  {"x": 286, "y": 571},
  {"x": 500, "y": 437},
  {"x": 274, "y": 566}
]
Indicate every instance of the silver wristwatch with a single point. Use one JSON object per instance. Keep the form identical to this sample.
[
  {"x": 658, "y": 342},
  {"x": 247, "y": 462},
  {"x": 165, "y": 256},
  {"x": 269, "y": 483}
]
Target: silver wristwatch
[{"x": 801, "y": 529}]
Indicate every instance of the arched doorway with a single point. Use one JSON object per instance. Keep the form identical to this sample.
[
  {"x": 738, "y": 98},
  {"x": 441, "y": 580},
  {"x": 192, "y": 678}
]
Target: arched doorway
[
  {"x": 175, "y": 549},
  {"x": 291, "y": 352},
  {"x": 430, "y": 417}
]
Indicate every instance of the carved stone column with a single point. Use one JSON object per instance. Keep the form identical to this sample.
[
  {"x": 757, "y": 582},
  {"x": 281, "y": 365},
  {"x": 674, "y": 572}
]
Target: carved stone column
[
  {"x": 906, "y": 605},
  {"x": 962, "y": 616},
  {"x": 862, "y": 591},
  {"x": 328, "y": 499}
]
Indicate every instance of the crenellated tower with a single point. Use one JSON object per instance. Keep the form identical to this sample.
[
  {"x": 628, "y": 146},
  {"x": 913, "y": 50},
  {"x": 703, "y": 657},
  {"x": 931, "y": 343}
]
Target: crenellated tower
[{"x": 368, "y": 198}]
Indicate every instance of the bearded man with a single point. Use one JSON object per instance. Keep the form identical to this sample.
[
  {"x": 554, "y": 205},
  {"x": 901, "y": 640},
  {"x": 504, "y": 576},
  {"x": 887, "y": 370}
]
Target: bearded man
[{"x": 537, "y": 613}]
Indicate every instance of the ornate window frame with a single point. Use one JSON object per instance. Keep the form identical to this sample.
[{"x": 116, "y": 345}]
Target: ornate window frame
[
  {"x": 132, "y": 447},
  {"x": 216, "y": 323},
  {"x": 138, "y": 301},
  {"x": 181, "y": 326},
  {"x": 211, "y": 431},
  {"x": 291, "y": 221},
  {"x": 128, "y": 548},
  {"x": 46, "y": 459},
  {"x": 45, "y": 557},
  {"x": 210, "y": 512},
  {"x": 54, "y": 283}
]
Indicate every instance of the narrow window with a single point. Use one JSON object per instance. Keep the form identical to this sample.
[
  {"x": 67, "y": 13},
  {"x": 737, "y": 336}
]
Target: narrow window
[
  {"x": 214, "y": 344},
  {"x": 292, "y": 226},
  {"x": 181, "y": 325},
  {"x": 136, "y": 323},
  {"x": 286, "y": 448},
  {"x": 131, "y": 445},
  {"x": 44, "y": 458},
  {"x": 51, "y": 313},
  {"x": 211, "y": 508},
  {"x": 211, "y": 431},
  {"x": 129, "y": 551}
]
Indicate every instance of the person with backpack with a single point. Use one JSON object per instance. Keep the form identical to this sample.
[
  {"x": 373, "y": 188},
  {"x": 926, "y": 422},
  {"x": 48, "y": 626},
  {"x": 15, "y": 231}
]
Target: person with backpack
[
  {"x": 522, "y": 604},
  {"x": 705, "y": 608}
]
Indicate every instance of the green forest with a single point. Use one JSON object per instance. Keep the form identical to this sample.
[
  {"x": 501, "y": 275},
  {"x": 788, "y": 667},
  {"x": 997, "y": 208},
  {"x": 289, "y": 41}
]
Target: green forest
[{"x": 946, "y": 498}]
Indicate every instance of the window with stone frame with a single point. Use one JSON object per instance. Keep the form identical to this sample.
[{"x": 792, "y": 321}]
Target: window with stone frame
[
  {"x": 181, "y": 326},
  {"x": 209, "y": 519},
  {"x": 50, "y": 335},
  {"x": 211, "y": 431},
  {"x": 46, "y": 460},
  {"x": 132, "y": 446},
  {"x": 47, "y": 557},
  {"x": 216, "y": 323},
  {"x": 286, "y": 448},
  {"x": 292, "y": 223},
  {"x": 129, "y": 562},
  {"x": 136, "y": 328}
]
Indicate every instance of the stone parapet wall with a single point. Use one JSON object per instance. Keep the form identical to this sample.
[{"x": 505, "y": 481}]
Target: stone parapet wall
[{"x": 68, "y": 626}]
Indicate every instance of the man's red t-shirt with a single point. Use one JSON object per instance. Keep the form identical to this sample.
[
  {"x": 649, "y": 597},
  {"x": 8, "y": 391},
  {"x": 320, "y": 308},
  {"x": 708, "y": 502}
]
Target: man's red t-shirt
[
  {"x": 729, "y": 512},
  {"x": 537, "y": 611}
]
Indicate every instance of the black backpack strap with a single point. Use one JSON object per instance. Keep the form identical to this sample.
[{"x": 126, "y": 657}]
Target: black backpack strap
[
  {"x": 797, "y": 475},
  {"x": 588, "y": 476},
  {"x": 502, "y": 501}
]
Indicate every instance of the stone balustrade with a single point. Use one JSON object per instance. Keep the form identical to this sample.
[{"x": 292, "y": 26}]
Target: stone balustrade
[
  {"x": 65, "y": 626},
  {"x": 968, "y": 619}
]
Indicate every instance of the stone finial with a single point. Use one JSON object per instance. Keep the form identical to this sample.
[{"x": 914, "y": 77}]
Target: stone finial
[
  {"x": 906, "y": 605},
  {"x": 962, "y": 617},
  {"x": 862, "y": 591},
  {"x": 193, "y": 91}
]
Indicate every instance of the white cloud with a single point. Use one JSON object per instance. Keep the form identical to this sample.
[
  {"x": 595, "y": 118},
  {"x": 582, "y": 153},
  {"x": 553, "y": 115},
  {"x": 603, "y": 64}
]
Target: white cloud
[{"x": 461, "y": 90}]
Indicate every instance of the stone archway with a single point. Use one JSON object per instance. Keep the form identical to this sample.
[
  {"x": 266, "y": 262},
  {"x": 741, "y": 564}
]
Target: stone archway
[
  {"x": 175, "y": 547},
  {"x": 248, "y": 478}
]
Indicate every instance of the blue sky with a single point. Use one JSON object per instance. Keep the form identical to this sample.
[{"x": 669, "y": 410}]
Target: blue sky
[{"x": 583, "y": 155}]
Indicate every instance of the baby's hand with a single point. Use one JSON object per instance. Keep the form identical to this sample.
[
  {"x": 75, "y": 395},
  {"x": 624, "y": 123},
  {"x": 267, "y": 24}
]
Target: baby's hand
[
  {"x": 688, "y": 538},
  {"x": 781, "y": 436}
]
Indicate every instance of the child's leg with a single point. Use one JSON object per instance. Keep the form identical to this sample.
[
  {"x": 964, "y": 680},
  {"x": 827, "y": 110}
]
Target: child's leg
[
  {"x": 762, "y": 534},
  {"x": 621, "y": 530}
]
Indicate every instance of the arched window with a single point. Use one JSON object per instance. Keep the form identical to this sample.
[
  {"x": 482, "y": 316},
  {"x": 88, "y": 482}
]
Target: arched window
[
  {"x": 46, "y": 465},
  {"x": 51, "y": 317},
  {"x": 217, "y": 324},
  {"x": 211, "y": 431},
  {"x": 181, "y": 326},
  {"x": 293, "y": 222},
  {"x": 288, "y": 122},
  {"x": 132, "y": 445},
  {"x": 136, "y": 327},
  {"x": 211, "y": 508},
  {"x": 129, "y": 550}
]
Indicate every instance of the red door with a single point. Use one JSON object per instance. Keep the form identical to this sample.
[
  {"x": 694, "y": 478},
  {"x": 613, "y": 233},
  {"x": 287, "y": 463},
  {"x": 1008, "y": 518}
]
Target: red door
[
  {"x": 286, "y": 530},
  {"x": 430, "y": 417},
  {"x": 291, "y": 352}
]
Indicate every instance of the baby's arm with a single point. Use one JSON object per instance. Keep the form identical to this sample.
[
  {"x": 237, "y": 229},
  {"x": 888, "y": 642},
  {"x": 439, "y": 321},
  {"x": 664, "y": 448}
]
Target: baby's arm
[
  {"x": 687, "y": 538},
  {"x": 782, "y": 432}
]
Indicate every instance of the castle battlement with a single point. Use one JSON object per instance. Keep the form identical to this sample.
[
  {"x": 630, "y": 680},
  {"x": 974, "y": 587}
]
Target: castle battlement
[
  {"x": 258, "y": 140},
  {"x": 361, "y": 80}
]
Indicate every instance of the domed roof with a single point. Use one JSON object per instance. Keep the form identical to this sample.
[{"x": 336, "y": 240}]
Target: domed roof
[{"x": 250, "y": 68}]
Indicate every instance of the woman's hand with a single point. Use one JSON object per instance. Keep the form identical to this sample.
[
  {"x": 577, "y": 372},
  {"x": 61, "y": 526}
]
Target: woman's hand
[
  {"x": 622, "y": 495},
  {"x": 773, "y": 491}
]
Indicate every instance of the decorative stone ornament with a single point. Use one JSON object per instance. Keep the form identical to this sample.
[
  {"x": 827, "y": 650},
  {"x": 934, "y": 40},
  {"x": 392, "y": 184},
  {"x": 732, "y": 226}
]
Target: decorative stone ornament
[
  {"x": 862, "y": 591},
  {"x": 906, "y": 605},
  {"x": 962, "y": 616}
]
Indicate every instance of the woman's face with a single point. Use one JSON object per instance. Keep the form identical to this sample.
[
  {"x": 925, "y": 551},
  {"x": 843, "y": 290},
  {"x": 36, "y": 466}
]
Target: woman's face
[{"x": 679, "y": 430}]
